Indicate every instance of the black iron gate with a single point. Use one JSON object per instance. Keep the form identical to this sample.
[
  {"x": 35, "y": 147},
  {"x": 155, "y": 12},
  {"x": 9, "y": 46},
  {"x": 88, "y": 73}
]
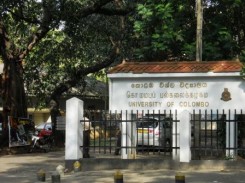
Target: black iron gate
[
  {"x": 215, "y": 134},
  {"x": 153, "y": 132},
  {"x": 218, "y": 135}
]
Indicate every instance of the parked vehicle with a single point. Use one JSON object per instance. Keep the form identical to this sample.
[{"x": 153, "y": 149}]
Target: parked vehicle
[
  {"x": 43, "y": 129},
  {"x": 154, "y": 132},
  {"x": 43, "y": 138}
]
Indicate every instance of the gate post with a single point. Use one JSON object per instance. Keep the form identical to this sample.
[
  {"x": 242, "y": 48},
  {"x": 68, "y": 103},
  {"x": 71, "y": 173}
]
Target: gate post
[
  {"x": 74, "y": 137},
  {"x": 185, "y": 136},
  {"x": 231, "y": 139},
  {"x": 128, "y": 137}
]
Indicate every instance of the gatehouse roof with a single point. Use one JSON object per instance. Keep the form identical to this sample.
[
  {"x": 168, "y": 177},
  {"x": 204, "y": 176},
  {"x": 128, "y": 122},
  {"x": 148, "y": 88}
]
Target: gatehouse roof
[{"x": 177, "y": 67}]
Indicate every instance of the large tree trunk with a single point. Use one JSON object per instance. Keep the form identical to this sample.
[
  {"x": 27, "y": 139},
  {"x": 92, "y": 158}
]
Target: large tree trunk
[
  {"x": 12, "y": 84},
  {"x": 13, "y": 93}
]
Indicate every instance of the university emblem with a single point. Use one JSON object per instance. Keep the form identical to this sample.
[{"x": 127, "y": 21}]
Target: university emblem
[{"x": 226, "y": 95}]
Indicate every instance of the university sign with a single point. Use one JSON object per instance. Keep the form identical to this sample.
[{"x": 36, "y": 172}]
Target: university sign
[
  {"x": 179, "y": 93},
  {"x": 170, "y": 93}
]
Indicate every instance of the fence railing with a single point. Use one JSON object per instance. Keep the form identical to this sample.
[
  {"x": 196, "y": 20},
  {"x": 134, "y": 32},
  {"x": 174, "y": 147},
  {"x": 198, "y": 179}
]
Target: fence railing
[
  {"x": 218, "y": 134},
  {"x": 148, "y": 132},
  {"x": 215, "y": 134}
]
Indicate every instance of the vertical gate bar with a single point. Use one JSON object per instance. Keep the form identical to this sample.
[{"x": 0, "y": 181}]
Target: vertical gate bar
[
  {"x": 121, "y": 130},
  {"x": 164, "y": 135},
  {"x": 126, "y": 131},
  {"x": 126, "y": 117},
  {"x": 177, "y": 121},
  {"x": 159, "y": 132},
  {"x": 171, "y": 131},
  {"x": 205, "y": 132},
  {"x": 114, "y": 124},
  {"x": 225, "y": 128},
  {"x": 137, "y": 134},
  {"x": 148, "y": 134},
  {"x": 93, "y": 139},
  {"x": 99, "y": 142},
  {"x": 153, "y": 113},
  {"x": 229, "y": 133},
  {"x": 235, "y": 133},
  {"x": 241, "y": 126},
  {"x": 193, "y": 142},
  {"x": 143, "y": 139},
  {"x": 131, "y": 127},
  {"x": 159, "y": 137},
  {"x": 165, "y": 112},
  {"x": 212, "y": 150},
  {"x": 217, "y": 130},
  {"x": 196, "y": 133},
  {"x": 109, "y": 129},
  {"x": 101, "y": 125},
  {"x": 176, "y": 139},
  {"x": 200, "y": 142},
  {"x": 175, "y": 132}
]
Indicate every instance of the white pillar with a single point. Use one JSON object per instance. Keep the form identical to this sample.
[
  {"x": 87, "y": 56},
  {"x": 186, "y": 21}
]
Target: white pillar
[
  {"x": 124, "y": 142},
  {"x": 74, "y": 137},
  {"x": 123, "y": 139},
  {"x": 133, "y": 139},
  {"x": 175, "y": 139},
  {"x": 185, "y": 136},
  {"x": 128, "y": 130},
  {"x": 230, "y": 135}
]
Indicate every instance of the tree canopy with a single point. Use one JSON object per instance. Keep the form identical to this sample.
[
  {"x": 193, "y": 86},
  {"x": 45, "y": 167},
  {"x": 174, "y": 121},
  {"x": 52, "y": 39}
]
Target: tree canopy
[
  {"x": 166, "y": 30},
  {"x": 49, "y": 46},
  {"x": 53, "y": 45}
]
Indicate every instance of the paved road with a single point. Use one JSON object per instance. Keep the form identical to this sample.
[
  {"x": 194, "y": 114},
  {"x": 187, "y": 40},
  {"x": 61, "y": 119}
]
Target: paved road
[{"x": 23, "y": 168}]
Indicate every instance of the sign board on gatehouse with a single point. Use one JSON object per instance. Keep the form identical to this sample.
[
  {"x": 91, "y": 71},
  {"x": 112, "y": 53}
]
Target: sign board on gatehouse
[{"x": 177, "y": 85}]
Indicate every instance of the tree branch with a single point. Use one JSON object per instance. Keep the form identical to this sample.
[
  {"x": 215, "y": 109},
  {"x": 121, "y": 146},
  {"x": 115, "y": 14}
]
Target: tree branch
[
  {"x": 41, "y": 32},
  {"x": 4, "y": 43},
  {"x": 20, "y": 16},
  {"x": 64, "y": 87},
  {"x": 111, "y": 12},
  {"x": 98, "y": 7}
]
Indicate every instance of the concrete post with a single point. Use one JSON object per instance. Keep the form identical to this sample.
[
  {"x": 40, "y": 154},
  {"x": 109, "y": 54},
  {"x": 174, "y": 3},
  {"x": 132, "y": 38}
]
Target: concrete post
[
  {"x": 185, "y": 136},
  {"x": 41, "y": 175},
  {"x": 230, "y": 136},
  {"x": 118, "y": 177},
  {"x": 179, "y": 178},
  {"x": 124, "y": 152},
  {"x": 74, "y": 137},
  {"x": 128, "y": 137}
]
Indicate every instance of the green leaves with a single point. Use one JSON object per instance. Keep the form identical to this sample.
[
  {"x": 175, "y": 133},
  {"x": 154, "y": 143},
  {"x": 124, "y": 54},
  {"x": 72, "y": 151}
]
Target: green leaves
[
  {"x": 166, "y": 30},
  {"x": 61, "y": 41},
  {"x": 144, "y": 11},
  {"x": 155, "y": 29}
]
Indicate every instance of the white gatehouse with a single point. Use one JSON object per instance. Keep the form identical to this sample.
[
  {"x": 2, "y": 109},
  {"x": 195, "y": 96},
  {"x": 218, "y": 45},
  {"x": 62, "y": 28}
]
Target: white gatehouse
[{"x": 181, "y": 86}]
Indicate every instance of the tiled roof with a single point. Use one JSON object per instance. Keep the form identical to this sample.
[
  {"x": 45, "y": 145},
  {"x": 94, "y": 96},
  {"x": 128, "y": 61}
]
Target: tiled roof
[{"x": 177, "y": 67}]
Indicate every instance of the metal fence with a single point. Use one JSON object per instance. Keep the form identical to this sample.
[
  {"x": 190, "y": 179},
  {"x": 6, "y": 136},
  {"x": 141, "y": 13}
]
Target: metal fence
[
  {"x": 152, "y": 133},
  {"x": 218, "y": 134},
  {"x": 214, "y": 134}
]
